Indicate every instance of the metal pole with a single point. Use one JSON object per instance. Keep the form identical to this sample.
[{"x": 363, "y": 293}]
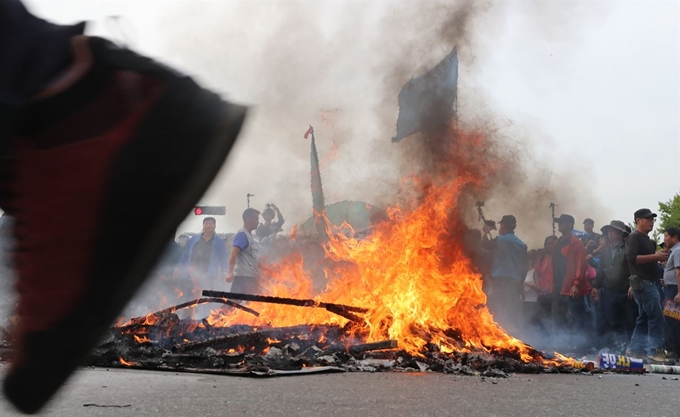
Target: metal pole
[{"x": 552, "y": 218}]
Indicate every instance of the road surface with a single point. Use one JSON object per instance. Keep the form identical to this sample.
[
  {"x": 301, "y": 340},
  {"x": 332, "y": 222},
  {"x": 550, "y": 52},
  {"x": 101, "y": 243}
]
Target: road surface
[{"x": 148, "y": 393}]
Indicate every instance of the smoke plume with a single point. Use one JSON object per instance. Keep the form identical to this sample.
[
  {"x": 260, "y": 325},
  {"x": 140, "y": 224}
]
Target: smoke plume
[{"x": 339, "y": 67}]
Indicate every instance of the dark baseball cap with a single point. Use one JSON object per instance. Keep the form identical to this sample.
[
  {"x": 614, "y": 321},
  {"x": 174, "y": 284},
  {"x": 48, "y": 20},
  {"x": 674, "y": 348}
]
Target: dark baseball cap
[
  {"x": 564, "y": 218},
  {"x": 644, "y": 213},
  {"x": 508, "y": 219},
  {"x": 589, "y": 220}
]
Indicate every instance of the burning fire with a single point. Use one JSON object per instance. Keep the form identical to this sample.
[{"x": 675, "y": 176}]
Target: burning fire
[
  {"x": 411, "y": 273},
  {"x": 125, "y": 363}
]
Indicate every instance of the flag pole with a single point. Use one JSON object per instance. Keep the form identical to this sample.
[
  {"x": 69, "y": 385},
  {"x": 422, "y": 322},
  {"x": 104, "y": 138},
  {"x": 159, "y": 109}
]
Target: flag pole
[{"x": 318, "y": 200}]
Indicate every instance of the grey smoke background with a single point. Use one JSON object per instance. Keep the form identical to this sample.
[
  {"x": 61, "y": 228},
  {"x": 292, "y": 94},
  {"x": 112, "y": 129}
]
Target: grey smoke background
[
  {"x": 580, "y": 85},
  {"x": 340, "y": 66}
]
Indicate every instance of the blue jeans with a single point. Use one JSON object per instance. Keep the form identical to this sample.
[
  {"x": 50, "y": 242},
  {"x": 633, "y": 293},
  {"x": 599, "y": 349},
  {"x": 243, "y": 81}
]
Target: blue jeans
[
  {"x": 571, "y": 323},
  {"x": 506, "y": 304},
  {"x": 649, "y": 325},
  {"x": 591, "y": 312},
  {"x": 619, "y": 315},
  {"x": 672, "y": 325}
]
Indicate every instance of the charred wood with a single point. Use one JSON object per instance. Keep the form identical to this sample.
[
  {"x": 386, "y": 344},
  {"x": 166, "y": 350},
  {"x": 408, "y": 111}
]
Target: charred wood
[
  {"x": 140, "y": 321},
  {"x": 365, "y": 347},
  {"x": 257, "y": 336},
  {"x": 283, "y": 300},
  {"x": 346, "y": 314}
]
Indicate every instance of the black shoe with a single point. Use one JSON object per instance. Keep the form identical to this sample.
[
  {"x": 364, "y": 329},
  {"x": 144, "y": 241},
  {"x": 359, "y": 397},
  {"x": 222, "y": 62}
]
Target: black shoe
[{"x": 106, "y": 168}]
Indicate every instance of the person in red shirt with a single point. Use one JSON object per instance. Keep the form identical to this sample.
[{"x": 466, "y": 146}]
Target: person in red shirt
[
  {"x": 543, "y": 281},
  {"x": 569, "y": 279},
  {"x": 543, "y": 272}
]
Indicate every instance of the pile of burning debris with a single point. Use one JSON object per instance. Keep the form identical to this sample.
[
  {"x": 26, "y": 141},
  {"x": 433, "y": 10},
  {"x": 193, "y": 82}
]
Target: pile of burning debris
[{"x": 163, "y": 341}]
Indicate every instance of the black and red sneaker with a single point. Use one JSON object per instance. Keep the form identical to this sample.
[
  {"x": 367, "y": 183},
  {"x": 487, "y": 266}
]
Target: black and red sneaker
[{"x": 120, "y": 146}]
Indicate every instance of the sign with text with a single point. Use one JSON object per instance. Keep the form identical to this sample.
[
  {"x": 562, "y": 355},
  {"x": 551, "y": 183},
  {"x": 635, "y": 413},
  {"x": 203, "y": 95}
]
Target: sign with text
[
  {"x": 620, "y": 362},
  {"x": 671, "y": 309}
]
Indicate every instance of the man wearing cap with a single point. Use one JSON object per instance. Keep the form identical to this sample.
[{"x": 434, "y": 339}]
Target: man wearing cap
[
  {"x": 611, "y": 287},
  {"x": 570, "y": 286},
  {"x": 671, "y": 277},
  {"x": 643, "y": 261},
  {"x": 508, "y": 270},
  {"x": 590, "y": 239}
]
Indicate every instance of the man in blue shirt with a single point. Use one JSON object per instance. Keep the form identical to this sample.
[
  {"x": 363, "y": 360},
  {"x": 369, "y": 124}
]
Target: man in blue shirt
[
  {"x": 589, "y": 238},
  {"x": 671, "y": 273},
  {"x": 204, "y": 260},
  {"x": 244, "y": 266},
  {"x": 508, "y": 271}
]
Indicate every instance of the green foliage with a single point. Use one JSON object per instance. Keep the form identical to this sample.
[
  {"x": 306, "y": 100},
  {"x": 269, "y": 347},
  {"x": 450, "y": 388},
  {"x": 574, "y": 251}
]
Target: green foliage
[
  {"x": 669, "y": 215},
  {"x": 669, "y": 212}
]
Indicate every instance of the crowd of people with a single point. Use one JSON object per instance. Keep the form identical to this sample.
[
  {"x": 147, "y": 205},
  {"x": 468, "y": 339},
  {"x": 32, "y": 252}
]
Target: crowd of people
[
  {"x": 211, "y": 260},
  {"x": 588, "y": 290},
  {"x": 582, "y": 290}
]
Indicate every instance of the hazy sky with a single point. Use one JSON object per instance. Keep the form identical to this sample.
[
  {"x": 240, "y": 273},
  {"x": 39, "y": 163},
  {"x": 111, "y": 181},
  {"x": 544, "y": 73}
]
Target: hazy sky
[{"x": 596, "y": 89}]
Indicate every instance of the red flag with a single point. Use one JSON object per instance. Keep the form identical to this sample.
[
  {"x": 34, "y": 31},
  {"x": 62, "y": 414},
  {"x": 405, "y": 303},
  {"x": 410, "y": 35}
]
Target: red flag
[{"x": 308, "y": 132}]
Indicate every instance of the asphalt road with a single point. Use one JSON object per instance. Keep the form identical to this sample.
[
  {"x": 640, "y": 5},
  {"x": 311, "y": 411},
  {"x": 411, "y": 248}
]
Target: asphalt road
[{"x": 147, "y": 393}]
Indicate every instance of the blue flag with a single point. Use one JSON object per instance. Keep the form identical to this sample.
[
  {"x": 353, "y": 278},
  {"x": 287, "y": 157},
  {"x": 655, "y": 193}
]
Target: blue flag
[{"x": 426, "y": 102}]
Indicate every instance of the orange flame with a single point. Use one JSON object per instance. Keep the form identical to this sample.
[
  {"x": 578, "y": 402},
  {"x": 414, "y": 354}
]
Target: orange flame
[
  {"x": 178, "y": 292},
  {"x": 411, "y": 273},
  {"x": 400, "y": 274},
  {"x": 125, "y": 363}
]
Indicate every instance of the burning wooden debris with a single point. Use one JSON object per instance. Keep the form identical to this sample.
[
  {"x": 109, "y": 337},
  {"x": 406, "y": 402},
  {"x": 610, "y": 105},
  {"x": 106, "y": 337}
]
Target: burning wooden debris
[{"x": 163, "y": 341}]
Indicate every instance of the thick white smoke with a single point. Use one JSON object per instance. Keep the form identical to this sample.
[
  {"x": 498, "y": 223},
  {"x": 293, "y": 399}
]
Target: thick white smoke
[{"x": 339, "y": 66}]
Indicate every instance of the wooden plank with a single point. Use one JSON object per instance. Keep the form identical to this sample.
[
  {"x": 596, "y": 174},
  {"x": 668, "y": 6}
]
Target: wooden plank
[
  {"x": 365, "y": 347},
  {"x": 282, "y": 300},
  {"x": 139, "y": 321}
]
